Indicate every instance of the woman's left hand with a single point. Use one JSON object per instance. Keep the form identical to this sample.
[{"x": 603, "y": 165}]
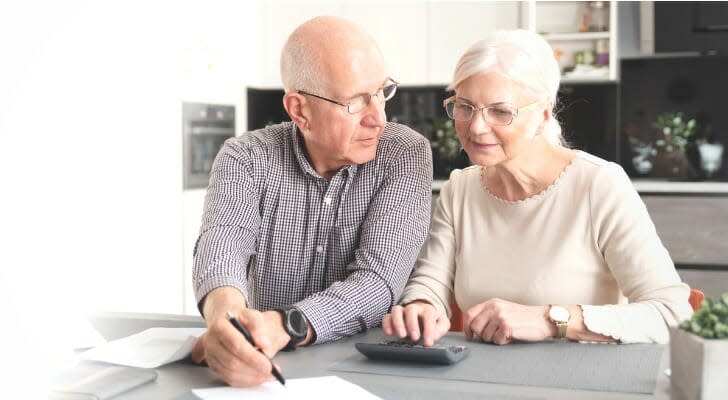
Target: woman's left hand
[{"x": 502, "y": 322}]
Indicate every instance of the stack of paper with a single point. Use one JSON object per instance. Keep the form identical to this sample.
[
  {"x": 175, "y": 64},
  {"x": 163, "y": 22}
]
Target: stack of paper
[{"x": 151, "y": 348}]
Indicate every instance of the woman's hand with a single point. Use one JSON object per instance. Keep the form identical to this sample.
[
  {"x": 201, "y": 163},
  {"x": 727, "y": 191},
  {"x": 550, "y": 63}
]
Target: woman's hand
[
  {"x": 416, "y": 319},
  {"x": 501, "y": 322}
]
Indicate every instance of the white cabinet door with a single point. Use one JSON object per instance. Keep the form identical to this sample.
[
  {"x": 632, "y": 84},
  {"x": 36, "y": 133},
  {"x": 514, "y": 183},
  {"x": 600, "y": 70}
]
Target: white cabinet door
[
  {"x": 280, "y": 18},
  {"x": 400, "y": 30},
  {"x": 455, "y": 25}
]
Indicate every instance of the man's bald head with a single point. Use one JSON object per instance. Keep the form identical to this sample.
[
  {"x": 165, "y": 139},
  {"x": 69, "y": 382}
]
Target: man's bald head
[{"x": 321, "y": 49}]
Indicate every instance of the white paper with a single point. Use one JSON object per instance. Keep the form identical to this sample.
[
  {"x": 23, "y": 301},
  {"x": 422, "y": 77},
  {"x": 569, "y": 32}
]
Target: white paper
[
  {"x": 148, "y": 349},
  {"x": 320, "y": 388},
  {"x": 84, "y": 335}
]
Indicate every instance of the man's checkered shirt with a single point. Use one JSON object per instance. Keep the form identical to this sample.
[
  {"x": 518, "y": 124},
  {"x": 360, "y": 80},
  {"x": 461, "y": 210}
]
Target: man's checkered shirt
[{"x": 340, "y": 250}]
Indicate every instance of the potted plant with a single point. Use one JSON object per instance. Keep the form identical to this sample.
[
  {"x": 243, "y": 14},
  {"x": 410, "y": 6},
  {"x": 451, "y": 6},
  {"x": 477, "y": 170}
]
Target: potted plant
[
  {"x": 445, "y": 147},
  {"x": 699, "y": 353},
  {"x": 672, "y": 134}
]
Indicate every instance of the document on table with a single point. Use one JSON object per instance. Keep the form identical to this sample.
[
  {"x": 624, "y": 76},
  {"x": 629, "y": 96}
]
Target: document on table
[
  {"x": 320, "y": 388},
  {"x": 84, "y": 335},
  {"x": 148, "y": 349}
]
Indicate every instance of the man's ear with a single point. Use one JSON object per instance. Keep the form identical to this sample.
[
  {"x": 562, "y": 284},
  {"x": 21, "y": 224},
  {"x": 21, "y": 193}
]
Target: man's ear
[{"x": 294, "y": 105}]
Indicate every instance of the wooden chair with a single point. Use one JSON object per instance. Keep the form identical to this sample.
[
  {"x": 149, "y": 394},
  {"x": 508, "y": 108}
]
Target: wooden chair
[{"x": 457, "y": 323}]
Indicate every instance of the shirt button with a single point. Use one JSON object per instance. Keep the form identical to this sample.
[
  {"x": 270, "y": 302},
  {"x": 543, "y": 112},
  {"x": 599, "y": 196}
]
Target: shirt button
[
  {"x": 319, "y": 249},
  {"x": 327, "y": 200}
]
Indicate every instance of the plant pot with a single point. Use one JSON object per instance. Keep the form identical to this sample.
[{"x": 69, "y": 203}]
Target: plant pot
[
  {"x": 673, "y": 165},
  {"x": 699, "y": 367}
]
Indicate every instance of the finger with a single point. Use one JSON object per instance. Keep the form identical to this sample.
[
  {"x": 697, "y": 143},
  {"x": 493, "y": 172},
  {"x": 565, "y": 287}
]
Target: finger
[
  {"x": 198, "y": 352},
  {"x": 503, "y": 335},
  {"x": 412, "y": 321},
  {"x": 429, "y": 326},
  {"x": 489, "y": 329},
  {"x": 255, "y": 324},
  {"x": 238, "y": 377},
  {"x": 398, "y": 322},
  {"x": 468, "y": 317},
  {"x": 442, "y": 327},
  {"x": 387, "y": 324},
  {"x": 233, "y": 342},
  {"x": 478, "y": 323}
]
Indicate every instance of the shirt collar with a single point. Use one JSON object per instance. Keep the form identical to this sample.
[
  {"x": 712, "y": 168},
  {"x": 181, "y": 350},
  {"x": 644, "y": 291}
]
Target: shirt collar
[{"x": 300, "y": 154}]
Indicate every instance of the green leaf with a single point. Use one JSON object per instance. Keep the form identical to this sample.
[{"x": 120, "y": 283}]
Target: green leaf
[{"x": 707, "y": 333}]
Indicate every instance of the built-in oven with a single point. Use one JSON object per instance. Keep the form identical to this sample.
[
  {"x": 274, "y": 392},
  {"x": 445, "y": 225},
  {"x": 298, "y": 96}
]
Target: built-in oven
[{"x": 205, "y": 127}]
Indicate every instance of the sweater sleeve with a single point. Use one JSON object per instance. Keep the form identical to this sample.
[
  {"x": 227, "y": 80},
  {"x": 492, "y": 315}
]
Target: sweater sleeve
[
  {"x": 432, "y": 279},
  {"x": 639, "y": 262}
]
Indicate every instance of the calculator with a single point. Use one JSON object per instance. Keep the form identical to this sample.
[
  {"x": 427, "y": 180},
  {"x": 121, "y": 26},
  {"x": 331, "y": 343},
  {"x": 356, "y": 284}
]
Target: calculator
[{"x": 405, "y": 350}]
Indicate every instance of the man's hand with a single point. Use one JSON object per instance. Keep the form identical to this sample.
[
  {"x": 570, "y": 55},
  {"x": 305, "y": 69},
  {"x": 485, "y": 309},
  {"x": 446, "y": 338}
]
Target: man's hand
[
  {"x": 225, "y": 349},
  {"x": 405, "y": 322},
  {"x": 500, "y": 322}
]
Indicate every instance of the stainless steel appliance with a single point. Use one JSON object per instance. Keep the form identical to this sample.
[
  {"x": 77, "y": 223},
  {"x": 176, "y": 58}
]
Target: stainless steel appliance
[{"x": 204, "y": 129}]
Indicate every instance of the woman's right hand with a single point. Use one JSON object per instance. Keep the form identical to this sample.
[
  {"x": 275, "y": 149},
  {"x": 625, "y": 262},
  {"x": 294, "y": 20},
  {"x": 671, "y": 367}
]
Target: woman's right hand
[{"x": 414, "y": 320}]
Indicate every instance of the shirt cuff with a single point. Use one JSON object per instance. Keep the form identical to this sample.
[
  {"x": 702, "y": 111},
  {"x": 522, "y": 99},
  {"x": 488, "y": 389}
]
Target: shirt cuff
[
  {"x": 603, "y": 320},
  {"x": 214, "y": 282},
  {"x": 318, "y": 314}
]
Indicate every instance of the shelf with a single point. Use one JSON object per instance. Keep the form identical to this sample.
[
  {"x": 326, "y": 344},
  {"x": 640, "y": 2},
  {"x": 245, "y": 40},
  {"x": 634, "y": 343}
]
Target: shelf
[
  {"x": 586, "y": 79},
  {"x": 576, "y": 36}
]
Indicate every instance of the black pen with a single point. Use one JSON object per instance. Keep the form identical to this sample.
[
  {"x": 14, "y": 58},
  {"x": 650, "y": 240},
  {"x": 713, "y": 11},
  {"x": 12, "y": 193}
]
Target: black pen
[{"x": 250, "y": 340}]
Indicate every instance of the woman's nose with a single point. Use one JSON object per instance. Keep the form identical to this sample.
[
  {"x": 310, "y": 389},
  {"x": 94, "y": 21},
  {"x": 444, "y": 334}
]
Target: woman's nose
[{"x": 478, "y": 125}]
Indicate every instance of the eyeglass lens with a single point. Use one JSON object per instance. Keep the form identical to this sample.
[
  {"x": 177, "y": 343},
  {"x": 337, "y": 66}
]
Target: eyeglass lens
[
  {"x": 501, "y": 114},
  {"x": 360, "y": 102}
]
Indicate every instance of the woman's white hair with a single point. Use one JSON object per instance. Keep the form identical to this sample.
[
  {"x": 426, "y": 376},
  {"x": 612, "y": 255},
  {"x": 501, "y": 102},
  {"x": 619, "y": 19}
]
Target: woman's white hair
[{"x": 522, "y": 56}]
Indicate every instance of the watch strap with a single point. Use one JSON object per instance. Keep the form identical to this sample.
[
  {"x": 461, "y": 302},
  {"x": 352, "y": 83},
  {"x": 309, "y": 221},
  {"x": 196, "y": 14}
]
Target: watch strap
[{"x": 562, "y": 329}]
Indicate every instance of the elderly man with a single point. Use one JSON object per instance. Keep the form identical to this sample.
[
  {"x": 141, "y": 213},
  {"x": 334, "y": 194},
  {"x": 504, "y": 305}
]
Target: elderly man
[{"x": 311, "y": 227}]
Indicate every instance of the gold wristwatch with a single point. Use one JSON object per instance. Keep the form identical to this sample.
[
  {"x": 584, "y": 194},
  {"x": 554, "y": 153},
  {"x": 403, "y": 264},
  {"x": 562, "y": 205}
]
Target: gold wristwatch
[{"x": 560, "y": 316}]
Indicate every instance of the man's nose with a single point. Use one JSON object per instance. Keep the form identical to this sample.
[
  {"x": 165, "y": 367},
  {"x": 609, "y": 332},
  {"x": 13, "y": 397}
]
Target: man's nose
[{"x": 374, "y": 114}]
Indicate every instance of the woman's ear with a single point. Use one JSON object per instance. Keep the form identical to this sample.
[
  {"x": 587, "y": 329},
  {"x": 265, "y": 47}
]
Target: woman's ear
[
  {"x": 294, "y": 104},
  {"x": 547, "y": 117}
]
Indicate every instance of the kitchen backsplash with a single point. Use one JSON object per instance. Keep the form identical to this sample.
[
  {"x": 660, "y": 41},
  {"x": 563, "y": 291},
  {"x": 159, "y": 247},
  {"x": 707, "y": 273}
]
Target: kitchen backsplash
[{"x": 587, "y": 113}]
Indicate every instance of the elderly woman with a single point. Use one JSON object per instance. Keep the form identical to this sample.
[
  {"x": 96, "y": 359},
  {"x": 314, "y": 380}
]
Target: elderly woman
[{"x": 535, "y": 240}]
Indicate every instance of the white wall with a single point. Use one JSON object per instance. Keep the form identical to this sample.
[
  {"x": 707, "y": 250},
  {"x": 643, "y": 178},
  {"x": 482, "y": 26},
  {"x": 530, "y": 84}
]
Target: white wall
[{"x": 91, "y": 203}]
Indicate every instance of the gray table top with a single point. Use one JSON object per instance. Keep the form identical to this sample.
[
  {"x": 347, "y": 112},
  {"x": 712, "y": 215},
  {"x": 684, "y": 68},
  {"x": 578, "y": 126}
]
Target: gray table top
[{"x": 176, "y": 380}]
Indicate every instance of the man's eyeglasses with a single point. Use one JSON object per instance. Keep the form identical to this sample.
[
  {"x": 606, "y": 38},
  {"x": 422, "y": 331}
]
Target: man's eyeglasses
[
  {"x": 497, "y": 114},
  {"x": 358, "y": 103}
]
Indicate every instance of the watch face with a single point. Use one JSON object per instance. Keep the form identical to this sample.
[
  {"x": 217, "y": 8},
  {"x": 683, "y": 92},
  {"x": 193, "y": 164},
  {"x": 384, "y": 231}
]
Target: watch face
[
  {"x": 297, "y": 322},
  {"x": 559, "y": 314}
]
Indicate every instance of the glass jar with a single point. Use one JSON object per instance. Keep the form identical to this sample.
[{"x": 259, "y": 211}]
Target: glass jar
[{"x": 599, "y": 16}]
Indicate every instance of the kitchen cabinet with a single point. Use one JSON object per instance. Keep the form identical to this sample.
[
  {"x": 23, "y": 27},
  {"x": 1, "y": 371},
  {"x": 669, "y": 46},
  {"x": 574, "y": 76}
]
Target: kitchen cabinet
[
  {"x": 399, "y": 28},
  {"x": 559, "y": 23},
  {"x": 455, "y": 25},
  {"x": 421, "y": 40},
  {"x": 691, "y": 26}
]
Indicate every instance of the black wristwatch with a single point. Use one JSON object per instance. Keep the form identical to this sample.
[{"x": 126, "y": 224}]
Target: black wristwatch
[{"x": 295, "y": 324}]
